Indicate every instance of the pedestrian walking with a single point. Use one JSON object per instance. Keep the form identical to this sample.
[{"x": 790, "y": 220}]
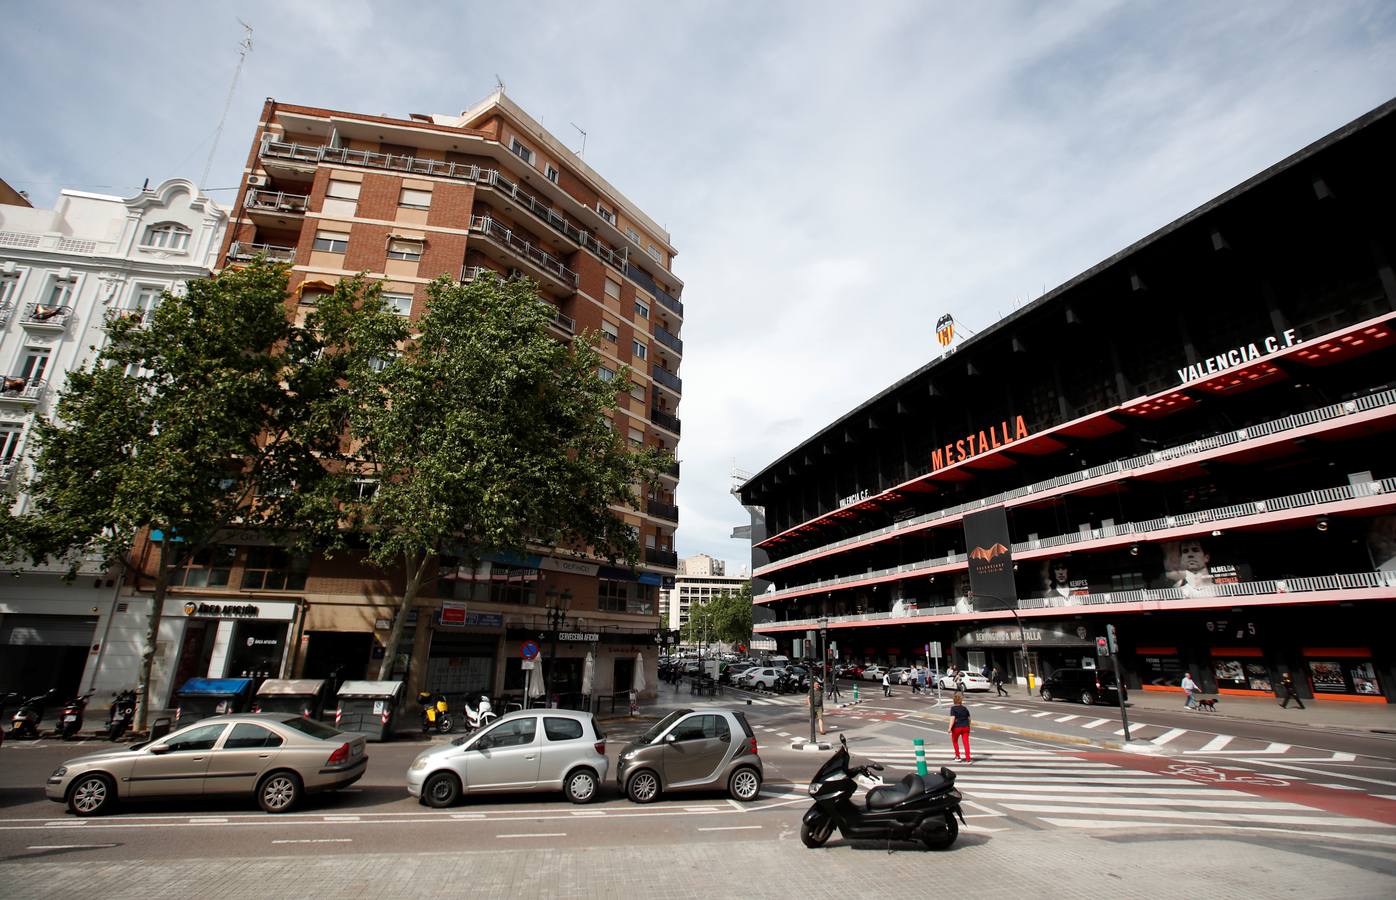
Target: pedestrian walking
[
  {"x": 921, "y": 679},
  {"x": 634, "y": 703},
  {"x": 998, "y": 680},
  {"x": 816, "y": 705},
  {"x": 959, "y": 726},
  {"x": 1189, "y": 688},
  {"x": 1291, "y": 693},
  {"x": 886, "y": 684}
]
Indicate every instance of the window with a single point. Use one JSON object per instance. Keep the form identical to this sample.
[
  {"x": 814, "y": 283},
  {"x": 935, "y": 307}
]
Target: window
[
  {"x": 198, "y": 738},
  {"x": 274, "y": 569},
  {"x": 637, "y": 392},
  {"x": 379, "y": 363},
  {"x": 637, "y": 437},
  {"x": 605, "y": 213},
  {"x": 638, "y": 350},
  {"x": 700, "y": 728},
  {"x": 513, "y": 733},
  {"x": 363, "y": 489},
  {"x": 210, "y": 567},
  {"x": 9, "y": 442},
  {"x": 551, "y": 172},
  {"x": 398, "y": 303},
  {"x": 311, "y": 727},
  {"x": 312, "y": 296},
  {"x": 166, "y": 236},
  {"x": 610, "y": 331},
  {"x": 331, "y": 241},
  {"x": 653, "y": 251},
  {"x": 343, "y": 190},
  {"x": 414, "y": 198},
  {"x": 146, "y": 297},
  {"x": 613, "y": 289},
  {"x": 246, "y": 736},
  {"x": 402, "y": 248},
  {"x": 642, "y": 309},
  {"x": 561, "y": 729},
  {"x": 35, "y": 364},
  {"x": 521, "y": 151},
  {"x": 59, "y": 295},
  {"x": 9, "y": 287},
  {"x": 611, "y": 595},
  {"x": 632, "y": 234},
  {"x": 605, "y": 373}
]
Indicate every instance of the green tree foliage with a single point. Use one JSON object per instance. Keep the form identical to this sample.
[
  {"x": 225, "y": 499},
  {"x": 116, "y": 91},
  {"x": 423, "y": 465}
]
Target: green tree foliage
[
  {"x": 489, "y": 435},
  {"x": 725, "y": 619},
  {"x": 215, "y": 412}
]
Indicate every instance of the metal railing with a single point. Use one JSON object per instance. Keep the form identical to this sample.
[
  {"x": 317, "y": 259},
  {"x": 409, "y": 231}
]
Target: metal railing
[
  {"x": 663, "y": 510},
  {"x": 672, "y": 471},
  {"x": 276, "y": 201},
  {"x": 665, "y": 420},
  {"x": 244, "y": 250},
  {"x": 1203, "y": 445},
  {"x": 500, "y": 234},
  {"x": 37, "y": 314},
  {"x": 666, "y": 378},
  {"x": 642, "y": 278},
  {"x": 1202, "y": 517},
  {"x": 7, "y": 309},
  {"x": 18, "y": 387},
  {"x": 662, "y": 335},
  {"x": 1280, "y": 586},
  {"x": 668, "y": 558}
]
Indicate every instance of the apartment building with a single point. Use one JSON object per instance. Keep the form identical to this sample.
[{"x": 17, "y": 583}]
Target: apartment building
[
  {"x": 485, "y": 193},
  {"x": 701, "y": 578},
  {"x": 1191, "y": 441}
]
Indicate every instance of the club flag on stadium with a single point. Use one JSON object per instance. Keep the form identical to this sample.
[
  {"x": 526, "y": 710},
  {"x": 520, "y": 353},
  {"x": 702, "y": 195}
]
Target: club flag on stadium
[{"x": 945, "y": 329}]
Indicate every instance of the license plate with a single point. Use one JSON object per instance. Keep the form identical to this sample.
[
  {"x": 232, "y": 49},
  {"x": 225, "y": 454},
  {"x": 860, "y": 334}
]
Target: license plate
[
  {"x": 357, "y": 751},
  {"x": 70, "y": 718}
]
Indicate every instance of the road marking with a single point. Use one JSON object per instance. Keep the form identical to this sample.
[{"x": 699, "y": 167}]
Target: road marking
[
  {"x": 467, "y": 815},
  {"x": 1193, "y": 814},
  {"x": 1067, "y": 718},
  {"x": 71, "y": 846},
  {"x": 1271, "y": 749},
  {"x": 316, "y": 841},
  {"x": 590, "y": 812},
  {"x": 1216, "y": 743},
  {"x": 63, "y": 824},
  {"x": 733, "y": 828},
  {"x": 1385, "y": 796},
  {"x": 539, "y": 835},
  {"x": 1170, "y": 735},
  {"x": 1338, "y": 787},
  {"x": 1041, "y": 714},
  {"x": 1280, "y": 765},
  {"x": 208, "y": 821},
  {"x": 1114, "y": 824},
  {"x": 341, "y": 818},
  {"x": 1095, "y": 724}
]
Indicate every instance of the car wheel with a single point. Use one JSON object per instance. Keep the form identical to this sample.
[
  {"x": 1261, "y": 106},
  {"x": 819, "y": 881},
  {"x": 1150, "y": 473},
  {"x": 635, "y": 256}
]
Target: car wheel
[
  {"x": 941, "y": 840},
  {"x": 816, "y": 836},
  {"x": 580, "y": 786},
  {"x": 643, "y": 787},
  {"x": 1046, "y": 694},
  {"x": 442, "y": 789},
  {"x": 745, "y": 784},
  {"x": 279, "y": 792},
  {"x": 91, "y": 795},
  {"x": 1087, "y": 698}
]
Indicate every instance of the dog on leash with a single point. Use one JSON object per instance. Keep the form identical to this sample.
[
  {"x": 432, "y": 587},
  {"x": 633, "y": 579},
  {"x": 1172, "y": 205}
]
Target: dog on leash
[{"x": 1206, "y": 705}]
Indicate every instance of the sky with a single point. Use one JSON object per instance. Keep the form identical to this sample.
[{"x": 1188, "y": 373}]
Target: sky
[{"x": 835, "y": 176}]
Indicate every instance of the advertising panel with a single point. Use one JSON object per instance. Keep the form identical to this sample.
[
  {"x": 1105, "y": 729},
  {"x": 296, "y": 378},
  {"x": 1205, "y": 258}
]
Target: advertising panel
[{"x": 987, "y": 543}]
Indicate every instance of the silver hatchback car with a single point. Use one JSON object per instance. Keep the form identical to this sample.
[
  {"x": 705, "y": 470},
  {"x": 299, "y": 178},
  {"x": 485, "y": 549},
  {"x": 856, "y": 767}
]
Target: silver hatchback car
[
  {"x": 525, "y": 750},
  {"x": 692, "y": 749}
]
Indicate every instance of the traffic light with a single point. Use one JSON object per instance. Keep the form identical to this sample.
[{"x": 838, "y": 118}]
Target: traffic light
[{"x": 1102, "y": 647}]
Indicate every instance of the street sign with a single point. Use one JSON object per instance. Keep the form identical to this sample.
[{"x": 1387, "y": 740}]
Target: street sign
[
  {"x": 528, "y": 664},
  {"x": 529, "y": 649},
  {"x": 933, "y": 649}
]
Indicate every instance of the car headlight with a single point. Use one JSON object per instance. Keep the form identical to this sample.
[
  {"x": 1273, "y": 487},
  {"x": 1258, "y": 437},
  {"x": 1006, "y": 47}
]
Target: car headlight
[
  {"x": 59, "y": 772},
  {"x": 628, "y": 756},
  {"x": 418, "y": 764}
]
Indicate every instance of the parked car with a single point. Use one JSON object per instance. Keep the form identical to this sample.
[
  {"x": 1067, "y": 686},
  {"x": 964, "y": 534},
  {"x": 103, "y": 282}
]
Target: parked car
[
  {"x": 873, "y": 673},
  {"x": 900, "y": 674},
  {"x": 852, "y": 670},
  {"x": 1089, "y": 686},
  {"x": 759, "y": 677},
  {"x": 964, "y": 681},
  {"x": 525, "y": 750},
  {"x": 276, "y": 757},
  {"x": 730, "y": 672},
  {"x": 692, "y": 749}
]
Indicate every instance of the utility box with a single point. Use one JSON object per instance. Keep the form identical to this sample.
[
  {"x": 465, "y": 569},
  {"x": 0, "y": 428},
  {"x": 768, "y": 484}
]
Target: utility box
[
  {"x": 369, "y": 708},
  {"x": 200, "y": 698},
  {"x": 302, "y": 696}
]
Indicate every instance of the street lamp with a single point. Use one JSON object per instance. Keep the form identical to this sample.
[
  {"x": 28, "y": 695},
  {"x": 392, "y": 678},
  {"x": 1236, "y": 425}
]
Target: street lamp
[
  {"x": 557, "y": 618},
  {"x": 1022, "y": 637}
]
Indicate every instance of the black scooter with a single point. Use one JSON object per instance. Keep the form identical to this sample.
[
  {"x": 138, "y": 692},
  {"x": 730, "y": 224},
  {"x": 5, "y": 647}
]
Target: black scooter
[
  {"x": 918, "y": 808},
  {"x": 30, "y": 713},
  {"x": 70, "y": 720},
  {"x": 123, "y": 713}
]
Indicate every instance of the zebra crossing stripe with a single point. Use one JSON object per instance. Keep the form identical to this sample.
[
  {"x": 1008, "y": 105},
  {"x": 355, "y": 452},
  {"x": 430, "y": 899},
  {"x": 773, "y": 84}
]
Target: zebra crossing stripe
[
  {"x": 1095, "y": 724},
  {"x": 1067, "y": 718},
  {"x": 1215, "y": 744},
  {"x": 1041, "y": 714},
  {"x": 1170, "y": 735}
]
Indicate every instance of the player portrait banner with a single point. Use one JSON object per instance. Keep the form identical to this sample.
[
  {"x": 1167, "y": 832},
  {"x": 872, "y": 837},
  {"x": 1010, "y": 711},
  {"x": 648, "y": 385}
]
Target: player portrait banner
[{"x": 990, "y": 559}]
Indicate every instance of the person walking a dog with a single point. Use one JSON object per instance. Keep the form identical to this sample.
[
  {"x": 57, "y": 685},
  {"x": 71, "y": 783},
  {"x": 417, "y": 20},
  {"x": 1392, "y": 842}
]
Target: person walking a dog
[
  {"x": 1291, "y": 692},
  {"x": 1189, "y": 688},
  {"x": 959, "y": 726}
]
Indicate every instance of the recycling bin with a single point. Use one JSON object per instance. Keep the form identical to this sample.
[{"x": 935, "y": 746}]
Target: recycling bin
[
  {"x": 199, "y": 698},
  {"x": 369, "y": 708},
  {"x": 302, "y": 696}
]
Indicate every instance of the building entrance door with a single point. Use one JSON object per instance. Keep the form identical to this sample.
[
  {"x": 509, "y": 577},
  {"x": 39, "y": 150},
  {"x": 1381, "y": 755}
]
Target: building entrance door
[
  {"x": 338, "y": 655},
  {"x": 195, "y": 650}
]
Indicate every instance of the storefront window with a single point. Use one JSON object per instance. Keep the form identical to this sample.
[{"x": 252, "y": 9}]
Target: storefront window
[
  {"x": 1344, "y": 676},
  {"x": 1160, "y": 669},
  {"x": 210, "y": 567},
  {"x": 1242, "y": 674}
]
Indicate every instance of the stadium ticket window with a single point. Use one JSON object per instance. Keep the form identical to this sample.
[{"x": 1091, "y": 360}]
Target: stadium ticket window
[
  {"x": 1342, "y": 673},
  {"x": 1241, "y": 670}
]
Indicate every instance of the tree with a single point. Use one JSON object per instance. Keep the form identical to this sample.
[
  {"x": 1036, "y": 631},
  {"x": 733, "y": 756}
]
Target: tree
[
  {"x": 725, "y": 618},
  {"x": 217, "y": 412},
  {"x": 488, "y": 435}
]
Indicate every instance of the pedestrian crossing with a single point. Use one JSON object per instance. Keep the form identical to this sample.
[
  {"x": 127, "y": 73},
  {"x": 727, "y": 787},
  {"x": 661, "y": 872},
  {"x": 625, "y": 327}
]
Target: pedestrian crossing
[{"x": 1068, "y": 791}]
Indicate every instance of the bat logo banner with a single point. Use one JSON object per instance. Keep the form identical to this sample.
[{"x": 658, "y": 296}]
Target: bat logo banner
[{"x": 990, "y": 557}]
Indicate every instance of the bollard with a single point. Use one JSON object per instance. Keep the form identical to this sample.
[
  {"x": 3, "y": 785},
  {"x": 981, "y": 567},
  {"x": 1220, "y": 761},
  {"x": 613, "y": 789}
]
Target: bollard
[
  {"x": 855, "y": 692},
  {"x": 920, "y": 756}
]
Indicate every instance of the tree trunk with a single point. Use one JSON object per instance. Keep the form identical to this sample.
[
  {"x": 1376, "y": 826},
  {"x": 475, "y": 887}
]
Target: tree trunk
[
  {"x": 414, "y": 574},
  {"x": 152, "y": 634}
]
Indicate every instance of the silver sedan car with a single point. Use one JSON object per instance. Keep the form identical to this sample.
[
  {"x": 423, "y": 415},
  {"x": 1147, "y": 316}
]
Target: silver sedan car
[
  {"x": 525, "y": 750},
  {"x": 276, "y": 757}
]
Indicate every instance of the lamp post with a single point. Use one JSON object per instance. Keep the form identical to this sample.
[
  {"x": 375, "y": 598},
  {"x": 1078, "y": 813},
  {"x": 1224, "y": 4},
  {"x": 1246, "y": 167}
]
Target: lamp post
[
  {"x": 557, "y": 618},
  {"x": 1022, "y": 637}
]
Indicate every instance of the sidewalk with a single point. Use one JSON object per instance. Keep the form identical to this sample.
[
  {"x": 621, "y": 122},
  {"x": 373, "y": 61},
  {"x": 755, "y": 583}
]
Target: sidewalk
[{"x": 1376, "y": 717}]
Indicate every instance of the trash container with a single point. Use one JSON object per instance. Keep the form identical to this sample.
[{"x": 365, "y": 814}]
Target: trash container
[
  {"x": 369, "y": 708},
  {"x": 200, "y": 698},
  {"x": 302, "y": 696}
]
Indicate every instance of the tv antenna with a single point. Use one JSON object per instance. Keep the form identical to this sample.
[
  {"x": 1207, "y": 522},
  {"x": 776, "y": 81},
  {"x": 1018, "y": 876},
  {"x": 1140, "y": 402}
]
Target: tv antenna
[
  {"x": 244, "y": 48},
  {"x": 581, "y": 152},
  {"x": 498, "y": 83}
]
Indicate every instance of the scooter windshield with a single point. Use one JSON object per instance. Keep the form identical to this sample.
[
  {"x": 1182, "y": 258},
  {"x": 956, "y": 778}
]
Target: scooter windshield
[{"x": 838, "y": 763}]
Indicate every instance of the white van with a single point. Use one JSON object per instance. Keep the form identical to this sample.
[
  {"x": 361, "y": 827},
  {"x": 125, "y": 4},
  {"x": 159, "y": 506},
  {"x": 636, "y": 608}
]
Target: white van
[{"x": 779, "y": 662}]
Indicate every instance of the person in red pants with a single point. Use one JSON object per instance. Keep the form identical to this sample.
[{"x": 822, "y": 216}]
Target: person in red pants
[{"x": 959, "y": 726}]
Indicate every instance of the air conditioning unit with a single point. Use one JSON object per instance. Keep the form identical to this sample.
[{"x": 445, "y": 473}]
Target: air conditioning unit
[{"x": 257, "y": 180}]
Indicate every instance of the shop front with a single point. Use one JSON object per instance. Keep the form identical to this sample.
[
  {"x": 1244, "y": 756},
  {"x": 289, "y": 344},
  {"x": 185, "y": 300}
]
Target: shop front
[
  {"x": 1050, "y": 646},
  {"x": 217, "y": 638},
  {"x": 1342, "y": 673}
]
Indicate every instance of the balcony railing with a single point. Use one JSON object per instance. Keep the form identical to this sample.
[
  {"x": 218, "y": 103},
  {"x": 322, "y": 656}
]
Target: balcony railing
[
  {"x": 276, "y": 201},
  {"x": 7, "y": 470},
  {"x": 7, "y": 309},
  {"x": 662, "y": 557},
  {"x": 665, "y": 420},
  {"x": 37, "y": 315},
  {"x": 965, "y": 605},
  {"x": 662, "y": 510},
  {"x": 54, "y": 242},
  {"x": 666, "y": 378},
  {"x": 672, "y": 470},
  {"x": 18, "y": 387},
  {"x": 500, "y": 234},
  {"x": 662, "y": 335},
  {"x": 565, "y": 322},
  {"x": 1204, "y": 445},
  {"x": 1124, "y": 529},
  {"x": 247, "y": 251},
  {"x": 140, "y": 317},
  {"x": 641, "y": 277}
]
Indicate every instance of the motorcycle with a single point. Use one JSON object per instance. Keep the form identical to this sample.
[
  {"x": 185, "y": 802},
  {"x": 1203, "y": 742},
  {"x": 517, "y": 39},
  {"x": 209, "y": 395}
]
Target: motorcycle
[
  {"x": 434, "y": 712},
  {"x": 478, "y": 716},
  {"x": 6, "y": 699},
  {"x": 25, "y": 722},
  {"x": 123, "y": 713},
  {"x": 917, "y": 808},
  {"x": 70, "y": 720}
]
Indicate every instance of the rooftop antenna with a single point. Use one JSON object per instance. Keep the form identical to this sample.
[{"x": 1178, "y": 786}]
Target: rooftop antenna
[
  {"x": 581, "y": 152},
  {"x": 244, "y": 48},
  {"x": 498, "y": 83}
]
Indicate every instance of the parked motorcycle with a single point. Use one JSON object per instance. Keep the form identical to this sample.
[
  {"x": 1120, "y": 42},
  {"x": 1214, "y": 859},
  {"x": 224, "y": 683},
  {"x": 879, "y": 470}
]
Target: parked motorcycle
[
  {"x": 70, "y": 720},
  {"x": 123, "y": 713},
  {"x": 917, "y": 808},
  {"x": 25, "y": 722},
  {"x": 435, "y": 711},
  {"x": 477, "y": 716},
  {"x": 9, "y": 698}
]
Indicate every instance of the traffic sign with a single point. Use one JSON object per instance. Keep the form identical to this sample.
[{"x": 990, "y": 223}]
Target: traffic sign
[{"x": 529, "y": 649}]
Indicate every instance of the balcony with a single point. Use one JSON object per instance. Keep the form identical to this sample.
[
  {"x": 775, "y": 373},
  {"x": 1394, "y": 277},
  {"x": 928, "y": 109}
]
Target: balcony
[
  {"x": 556, "y": 318},
  {"x": 665, "y": 420},
  {"x": 140, "y": 318},
  {"x": 662, "y": 510},
  {"x": 246, "y": 252},
  {"x": 39, "y": 316},
  {"x": 7, "y": 470},
  {"x": 666, "y": 378},
  {"x": 500, "y": 235},
  {"x": 7, "y": 309},
  {"x": 21, "y": 389},
  {"x": 642, "y": 278},
  {"x": 667, "y": 558},
  {"x": 276, "y": 202},
  {"x": 672, "y": 471},
  {"x": 662, "y": 335}
]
